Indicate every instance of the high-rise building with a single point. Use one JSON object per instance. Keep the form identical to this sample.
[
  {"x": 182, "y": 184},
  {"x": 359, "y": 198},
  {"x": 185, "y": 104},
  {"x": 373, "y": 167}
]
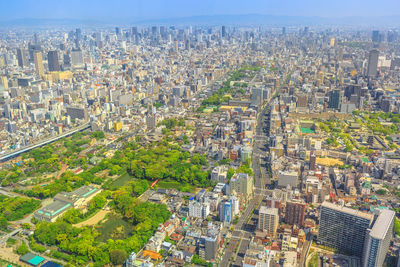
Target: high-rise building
[
  {"x": 117, "y": 31},
  {"x": 313, "y": 160},
  {"x": 335, "y": 99},
  {"x": 198, "y": 209},
  {"x": 21, "y": 56},
  {"x": 154, "y": 30},
  {"x": 36, "y": 38},
  {"x": 372, "y": 70},
  {"x": 227, "y": 212},
  {"x": 378, "y": 239},
  {"x": 76, "y": 58},
  {"x": 52, "y": 58},
  {"x": 283, "y": 30},
  {"x": 37, "y": 57},
  {"x": 78, "y": 34},
  {"x": 268, "y": 220},
  {"x": 77, "y": 113},
  {"x": 242, "y": 183},
  {"x": 343, "y": 228},
  {"x": 295, "y": 213},
  {"x": 223, "y": 31},
  {"x": 375, "y": 36},
  {"x": 302, "y": 100}
]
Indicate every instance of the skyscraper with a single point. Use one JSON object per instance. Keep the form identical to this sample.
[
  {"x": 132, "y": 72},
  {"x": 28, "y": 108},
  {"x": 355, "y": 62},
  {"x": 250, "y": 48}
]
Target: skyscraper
[
  {"x": 76, "y": 58},
  {"x": 78, "y": 33},
  {"x": 335, "y": 99},
  {"x": 372, "y": 70},
  {"x": 21, "y": 56},
  {"x": 36, "y": 38},
  {"x": 37, "y": 58},
  {"x": 268, "y": 220},
  {"x": 223, "y": 31},
  {"x": 378, "y": 239},
  {"x": 117, "y": 31},
  {"x": 375, "y": 36},
  {"x": 134, "y": 31},
  {"x": 52, "y": 58},
  {"x": 295, "y": 213},
  {"x": 343, "y": 228}
]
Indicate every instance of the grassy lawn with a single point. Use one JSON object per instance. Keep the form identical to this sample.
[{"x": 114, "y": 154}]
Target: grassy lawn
[
  {"x": 114, "y": 228},
  {"x": 11, "y": 242},
  {"x": 313, "y": 261},
  {"x": 123, "y": 179}
]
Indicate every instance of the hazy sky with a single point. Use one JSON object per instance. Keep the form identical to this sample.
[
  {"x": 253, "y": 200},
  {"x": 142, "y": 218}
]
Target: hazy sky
[{"x": 143, "y": 9}]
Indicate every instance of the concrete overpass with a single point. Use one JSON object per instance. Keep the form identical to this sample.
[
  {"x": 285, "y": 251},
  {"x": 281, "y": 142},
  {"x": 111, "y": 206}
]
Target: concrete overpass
[{"x": 43, "y": 142}]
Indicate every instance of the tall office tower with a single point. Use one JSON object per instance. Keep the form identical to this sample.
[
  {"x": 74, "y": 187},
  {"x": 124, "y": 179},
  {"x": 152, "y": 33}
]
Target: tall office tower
[
  {"x": 343, "y": 228},
  {"x": 223, "y": 31},
  {"x": 227, "y": 212},
  {"x": 313, "y": 160},
  {"x": 176, "y": 46},
  {"x": 268, "y": 220},
  {"x": 335, "y": 98},
  {"x": 134, "y": 31},
  {"x": 187, "y": 44},
  {"x": 76, "y": 58},
  {"x": 392, "y": 36},
  {"x": 21, "y": 56},
  {"x": 37, "y": 58},
  {"x": 372, "y": 70},
  {"x": 36, "y": 38},
  {"x": 375, "y": 36},
  {"x": 78, "y": 34},
  {"x": 378, "y": 240},
  {"x": 52, "y": 58},
  {"x": 283, "y": 30},
  {"x": 163, "y": 31},
  {"x": 295, "y": 213},
  {"x": 117, "y": 31},
  {"x": 154, "y": 30}
]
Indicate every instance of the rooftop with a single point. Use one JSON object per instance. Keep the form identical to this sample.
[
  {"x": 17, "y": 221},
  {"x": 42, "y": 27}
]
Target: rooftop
[
  {"x": 348, "y": 210},
  {"x": 382, "y": 224}
]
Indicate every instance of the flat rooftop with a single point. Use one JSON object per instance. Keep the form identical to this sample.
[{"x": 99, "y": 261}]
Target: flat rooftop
[
  {"x": 54, "y": 208},
  {"x": 382, "y": 224},
  {"x": 349, "y": 211},
  {"x": 266, "y": 210}
]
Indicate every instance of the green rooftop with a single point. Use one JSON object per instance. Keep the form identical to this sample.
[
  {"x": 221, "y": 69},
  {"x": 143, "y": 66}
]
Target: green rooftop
[{"x": 306, "y": 130}]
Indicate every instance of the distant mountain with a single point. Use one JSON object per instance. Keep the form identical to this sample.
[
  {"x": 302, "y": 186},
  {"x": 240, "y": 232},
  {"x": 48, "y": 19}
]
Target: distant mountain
[
  {"x": 238, "y": 20},
  {"x": 272, "y": 20}
]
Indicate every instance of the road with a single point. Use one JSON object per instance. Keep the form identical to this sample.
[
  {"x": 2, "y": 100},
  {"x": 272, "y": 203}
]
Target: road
[
  {"x": 46, "y": 141},
  {"x": 241, "y": 237},
  {"x": 306, "y": 248}
]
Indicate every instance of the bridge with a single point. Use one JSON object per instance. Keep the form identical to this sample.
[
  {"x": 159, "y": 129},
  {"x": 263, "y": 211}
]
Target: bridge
[
  {"x": 43, "y": 142},
  {"x": 4, "y": 238}
]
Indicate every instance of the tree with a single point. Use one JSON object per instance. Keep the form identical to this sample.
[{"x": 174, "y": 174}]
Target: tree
[
  {"x": 22, "y": 249},
  {"x": 381, "y": 192},
  {"x": 118, "y": 256}
]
